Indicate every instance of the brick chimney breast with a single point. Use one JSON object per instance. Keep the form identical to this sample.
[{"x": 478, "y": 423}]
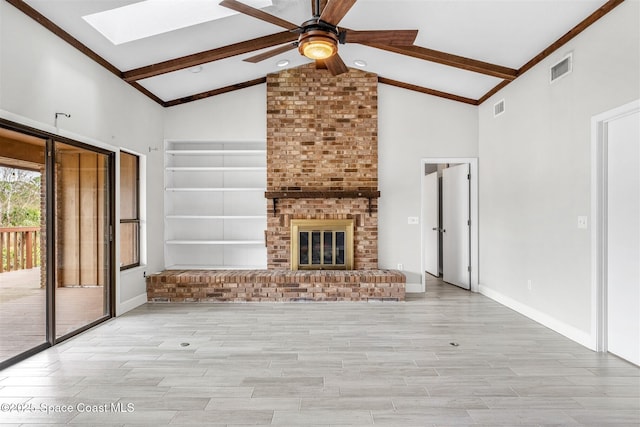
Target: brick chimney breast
[{"x": 322, "y": 136}]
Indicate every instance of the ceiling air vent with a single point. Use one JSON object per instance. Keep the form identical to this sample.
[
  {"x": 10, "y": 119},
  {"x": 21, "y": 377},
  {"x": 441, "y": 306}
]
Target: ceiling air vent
[
  {"x": 498, "y": 108},
  {"x": 561, "y": 68}
]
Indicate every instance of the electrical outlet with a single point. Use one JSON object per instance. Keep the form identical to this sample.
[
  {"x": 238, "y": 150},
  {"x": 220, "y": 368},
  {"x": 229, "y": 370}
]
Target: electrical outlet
[
  {"x": 529, "y": 285},
  {"x": 400, "y": 267},
  {"x": 413, "y": 220},
  {"x": 582, "y": 222}
]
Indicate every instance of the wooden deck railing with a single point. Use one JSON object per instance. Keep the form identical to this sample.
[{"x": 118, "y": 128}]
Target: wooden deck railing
[{"x": 19, "y": 248}]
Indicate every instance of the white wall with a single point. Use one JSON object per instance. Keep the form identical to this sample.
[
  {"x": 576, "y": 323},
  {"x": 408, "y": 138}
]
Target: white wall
[
  {"x": 535, "y": 175},
  {"x": 413, "y": 126},
  {"x": 235, "y": 116},
  {"x": 40, "y": 75}
]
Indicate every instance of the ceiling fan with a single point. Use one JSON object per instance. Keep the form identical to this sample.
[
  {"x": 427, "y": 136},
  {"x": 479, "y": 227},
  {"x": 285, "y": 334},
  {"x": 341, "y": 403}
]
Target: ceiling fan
[{"x": 320, "y": 35}]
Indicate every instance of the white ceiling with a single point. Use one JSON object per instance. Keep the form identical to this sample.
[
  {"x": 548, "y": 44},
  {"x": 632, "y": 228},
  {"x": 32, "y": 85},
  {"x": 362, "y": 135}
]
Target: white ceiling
[{"x": 503, "y": 32}]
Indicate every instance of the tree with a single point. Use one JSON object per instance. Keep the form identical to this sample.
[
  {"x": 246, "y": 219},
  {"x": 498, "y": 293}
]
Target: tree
[{"x": 19, "y": 197}]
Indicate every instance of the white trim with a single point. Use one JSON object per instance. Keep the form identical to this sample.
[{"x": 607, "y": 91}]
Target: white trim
[
  {"x": 56, "y": 131},
  {"x": 130, "y": 304},
  {"x": 544, "y": 319},
  {"x": 414, "y": 288},
  {"x": 122, "y": 307},
  {"x": 599, "y": 123},
  {"x": 473, "y": 254}
]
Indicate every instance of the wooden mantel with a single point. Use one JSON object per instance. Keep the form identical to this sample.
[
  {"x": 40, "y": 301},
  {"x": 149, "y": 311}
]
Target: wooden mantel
[{"x": 322, "y": 194}]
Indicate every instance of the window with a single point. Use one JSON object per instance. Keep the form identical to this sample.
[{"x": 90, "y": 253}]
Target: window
[{"x": 129, "y": 211}]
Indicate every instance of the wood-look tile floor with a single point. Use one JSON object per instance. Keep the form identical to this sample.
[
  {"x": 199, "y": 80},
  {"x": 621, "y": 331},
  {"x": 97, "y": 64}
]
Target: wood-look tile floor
[{"x": 324, "y": 364}]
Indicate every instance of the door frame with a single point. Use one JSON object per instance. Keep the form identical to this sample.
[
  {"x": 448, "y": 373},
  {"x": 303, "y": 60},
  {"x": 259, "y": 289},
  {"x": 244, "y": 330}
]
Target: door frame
[
  {"x": 599, "y": 182},
  {"x": 427, "y": 213},
  {"x": 473, "y": 204}
]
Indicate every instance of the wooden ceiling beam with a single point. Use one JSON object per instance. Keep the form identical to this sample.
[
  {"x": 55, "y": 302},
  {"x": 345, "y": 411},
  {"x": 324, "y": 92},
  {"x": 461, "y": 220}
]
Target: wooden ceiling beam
[
  {"x": 215, "y": 92},
  {"x": 449, "y": 59},
  {"x": 209, "y": 56},
  {"x": 262, "y": 80},
  {"x": 427, "y": 91}
]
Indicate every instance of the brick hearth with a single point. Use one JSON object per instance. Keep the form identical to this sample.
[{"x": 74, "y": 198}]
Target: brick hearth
[{"x": 275, "y": 286}]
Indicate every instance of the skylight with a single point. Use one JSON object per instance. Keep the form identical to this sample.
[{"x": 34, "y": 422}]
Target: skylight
[{"x": 152, "y": 17}]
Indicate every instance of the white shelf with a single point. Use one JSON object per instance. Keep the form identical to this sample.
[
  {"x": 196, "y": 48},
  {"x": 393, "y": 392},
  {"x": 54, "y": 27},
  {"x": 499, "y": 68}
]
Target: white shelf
[
  {"x": 216, "y": 152},
  {"x": 215, "y": 242},
  {"x": 215, "y": 168},
  {"x": 217, "y": 217},
  {"x": 215, "y": 189},
  {"x": 214, "y": 267}
]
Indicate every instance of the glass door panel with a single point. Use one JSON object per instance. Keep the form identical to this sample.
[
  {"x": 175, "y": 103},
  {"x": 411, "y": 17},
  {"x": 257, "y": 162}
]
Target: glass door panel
[
  {"x": 82, "y": 237},
  {"x": 23, "y": 299}
]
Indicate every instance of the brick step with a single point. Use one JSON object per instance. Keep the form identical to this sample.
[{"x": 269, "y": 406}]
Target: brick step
[{"x": 275, "y": 285}]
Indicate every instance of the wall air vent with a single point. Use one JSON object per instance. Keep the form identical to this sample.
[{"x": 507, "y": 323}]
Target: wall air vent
[
  {"x": 498, "y": 108},
  {"x": 561, "y": 68}
]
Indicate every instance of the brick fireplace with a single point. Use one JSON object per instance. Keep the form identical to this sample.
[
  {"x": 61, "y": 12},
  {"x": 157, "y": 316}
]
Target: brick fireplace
[
  {"x": 322, "y": 164},
  {"x": 322, "y": 157}
]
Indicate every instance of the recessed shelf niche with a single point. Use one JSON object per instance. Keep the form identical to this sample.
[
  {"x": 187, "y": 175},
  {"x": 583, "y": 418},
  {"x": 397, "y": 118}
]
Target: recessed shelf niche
[{"x": 215, "y": 210}]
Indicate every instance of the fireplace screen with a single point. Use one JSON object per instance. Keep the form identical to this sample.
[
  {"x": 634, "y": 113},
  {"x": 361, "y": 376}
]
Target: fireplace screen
[{"x": 321, "y": 244}]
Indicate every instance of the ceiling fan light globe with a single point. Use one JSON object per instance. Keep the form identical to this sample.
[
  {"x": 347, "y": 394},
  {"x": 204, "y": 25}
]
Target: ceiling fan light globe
[
  {"x": 318, "y": 50},
  {"x": 318, "y": 45}
]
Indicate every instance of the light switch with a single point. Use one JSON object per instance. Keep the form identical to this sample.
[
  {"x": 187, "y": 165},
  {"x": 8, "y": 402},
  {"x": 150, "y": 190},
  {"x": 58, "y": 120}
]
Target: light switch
[
  {"x": 413, "y": 220},
  {"x": 582, "y": 222}
]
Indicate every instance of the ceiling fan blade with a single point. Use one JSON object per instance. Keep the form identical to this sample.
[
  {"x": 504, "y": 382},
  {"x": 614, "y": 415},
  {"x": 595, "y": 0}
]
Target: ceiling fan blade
[
  {"x": 388, "y": 37},
  {"x": 271, "y": 53},
  {"x": 336, "y": 65},
  {"x": 257, "y": 13},
  {"x": 336, "y": 10}
]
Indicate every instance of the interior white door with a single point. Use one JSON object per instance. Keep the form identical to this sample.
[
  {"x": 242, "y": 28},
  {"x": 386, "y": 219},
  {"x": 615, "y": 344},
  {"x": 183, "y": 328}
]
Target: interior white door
[
  {"x": 455, "y": 226},
  {"x": 623, "y": 237},
  {"x": 431, "y": 224}
]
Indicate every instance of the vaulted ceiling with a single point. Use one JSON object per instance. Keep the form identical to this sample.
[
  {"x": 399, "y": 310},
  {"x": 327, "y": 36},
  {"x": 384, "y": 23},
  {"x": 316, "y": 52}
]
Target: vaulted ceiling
[{"x": 464, "y": 50}]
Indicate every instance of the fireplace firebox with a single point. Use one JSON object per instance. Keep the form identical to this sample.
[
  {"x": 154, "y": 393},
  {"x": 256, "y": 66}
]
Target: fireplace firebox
[{"x": 322, "y": 244}]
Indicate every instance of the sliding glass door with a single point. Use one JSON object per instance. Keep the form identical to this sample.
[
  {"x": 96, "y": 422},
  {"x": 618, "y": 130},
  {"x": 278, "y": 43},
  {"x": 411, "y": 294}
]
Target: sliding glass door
[
  {"x": 56, "y": 257},
  {"x": 23, "y": 302},
  {"x": 82, "y": 237}
]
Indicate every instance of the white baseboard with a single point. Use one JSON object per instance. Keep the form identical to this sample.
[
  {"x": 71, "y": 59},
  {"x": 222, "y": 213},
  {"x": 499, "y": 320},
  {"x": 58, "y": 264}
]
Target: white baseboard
[
  {"x": 574, "y": 334},
  {"x": 130, "y": 304},
  {"x": 411, "y": 288}
]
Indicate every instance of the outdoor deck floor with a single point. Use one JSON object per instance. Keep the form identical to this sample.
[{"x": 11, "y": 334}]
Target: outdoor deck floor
[{"x": 23, "y": 310}]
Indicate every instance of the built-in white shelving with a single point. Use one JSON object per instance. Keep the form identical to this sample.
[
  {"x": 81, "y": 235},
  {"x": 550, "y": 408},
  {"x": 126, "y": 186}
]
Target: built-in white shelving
[
  {"x": 216, "y": 152},
  {"x": 215, "y": 242},
  {"x": 213, "y": 267},
  {"x": 215, "y": 168},
  {"x": 231, "y": 217},
  {"x": 215, "y": 210},
  {"x": 224, "y": 189}
]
